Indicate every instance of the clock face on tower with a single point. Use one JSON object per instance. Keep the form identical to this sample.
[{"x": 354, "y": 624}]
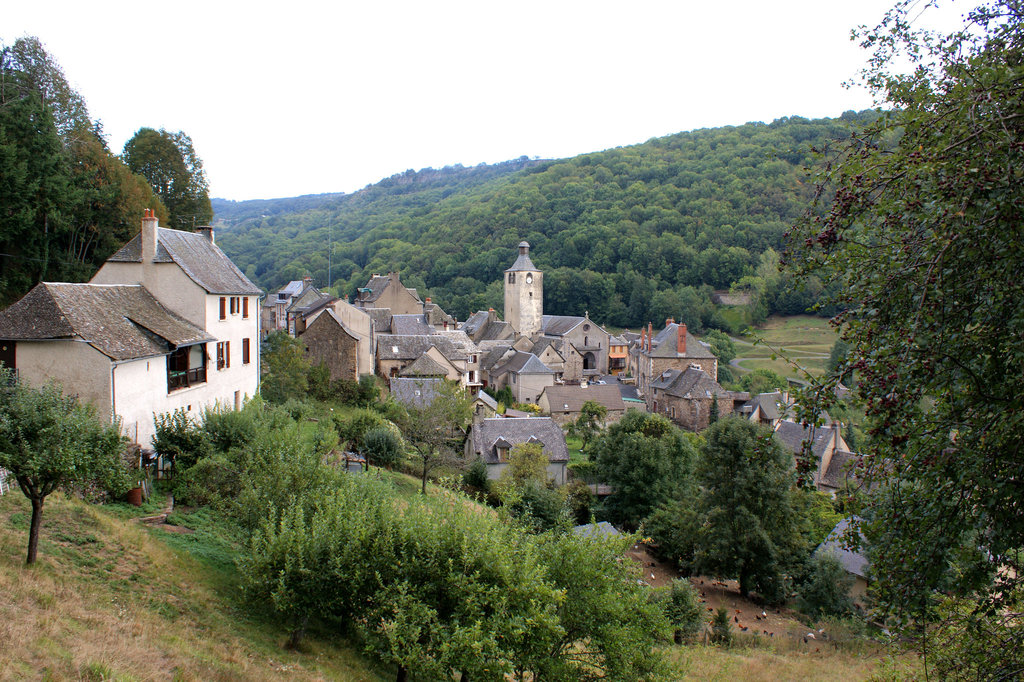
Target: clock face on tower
[{"x": 529, "y": 279}]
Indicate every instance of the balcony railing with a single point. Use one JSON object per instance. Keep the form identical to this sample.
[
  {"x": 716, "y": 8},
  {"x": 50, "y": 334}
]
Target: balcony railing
[{"x": 184, "y": 378}]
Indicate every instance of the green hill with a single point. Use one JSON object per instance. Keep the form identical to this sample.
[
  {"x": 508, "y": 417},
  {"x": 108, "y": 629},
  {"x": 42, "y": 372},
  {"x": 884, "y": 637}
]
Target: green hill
[{"x": 628, "y": 234}]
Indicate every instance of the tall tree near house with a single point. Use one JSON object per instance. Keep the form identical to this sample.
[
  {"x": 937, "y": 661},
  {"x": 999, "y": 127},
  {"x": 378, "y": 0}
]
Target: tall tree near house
[
  {"x": 48, "y": 439},
  {"x": 750, "y": 531},
  {"x": 920, "y": 223},
  {"x": 170, "y": 164},
  {"x": 437, "y": 431},
  {"x": 588, "y": 425}
]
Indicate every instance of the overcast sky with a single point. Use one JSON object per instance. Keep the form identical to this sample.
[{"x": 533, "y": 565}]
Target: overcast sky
[{"x": 290, "y": 97}]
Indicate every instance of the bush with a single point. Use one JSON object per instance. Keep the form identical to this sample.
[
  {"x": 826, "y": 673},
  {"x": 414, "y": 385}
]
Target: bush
[
  {"x": 579, "y": 501},
  {"x": 356, "y": 426},
  {"x": 213, "y": 481},
  {"x": 683, "y": 610},
  {"x": 226, "y": 428},
  {"x": 382, "y": 446},
  {"x": 533, "y": 505},
  {"x": 826, "y": 592},
  {"x": 178, "y": 438},
  {"x": 297, "y": 409},
  {"x": 721, "y": 629},
  {"x": 476, "y": 475}
]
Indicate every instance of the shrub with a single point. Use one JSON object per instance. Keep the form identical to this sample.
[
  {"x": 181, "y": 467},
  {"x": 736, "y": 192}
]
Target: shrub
[
  {"x": 683, "y": 610},
  {"x": 382, "y": 446},
  {"x": 214, "y": 481},
  {"x": 178, "y": 438},
  {"x": 227, "y": 428},
  {"x": 355, "y": 427},
  {"x": 476, "y": 475},
  {"x": 721, "y": 629},
  {"x": 826, "y": 592},
  {"x": 579, "y": 501}
]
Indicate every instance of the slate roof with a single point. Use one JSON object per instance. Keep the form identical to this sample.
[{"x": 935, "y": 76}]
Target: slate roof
[
  {"x": 770, "y": 405},
  {"x": 486, "y": 432},
  {"x": 493, "y": 356},
  {"x": 523, "y": 363},
  {"x": 415, "y": 391},
  {"x": 571, "y": 398},
  {"x": 793, "y": 435},
  {"x": 689, "y": 383},
  {"x": 410, "y": 325},
  {"x": 523, "y": 262},
  {"x": 197, "y": 256},
  {"x": 840, "y": 470},
  {"x": 474, "y": 322},
  {"x": 487, "y": 400},
  {"x": 381, "y": 319},
  {"x": 434, "y": 315},
  {"x": 374, "y": 288},
  {"x": 121, "y": 321},
  {"x": 322, "y": 302},
  {"x": 396, "y": 347},
  {"x": 425, "y": 366},
  {"x": 559, "y": 325},
  {"x": 596, "y": 530},
  {"x": 854, "y": 562},
  {"x": 666, "y": 345}
]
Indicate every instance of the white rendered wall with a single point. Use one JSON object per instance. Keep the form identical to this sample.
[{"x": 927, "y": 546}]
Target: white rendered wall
[{"x": 78, "y": 367}]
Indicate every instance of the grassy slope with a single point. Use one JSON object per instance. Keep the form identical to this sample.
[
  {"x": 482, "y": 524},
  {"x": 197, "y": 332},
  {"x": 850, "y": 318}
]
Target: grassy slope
[
  {"x": 804, "y": 339},
  {"x": 112, "y": 599}
]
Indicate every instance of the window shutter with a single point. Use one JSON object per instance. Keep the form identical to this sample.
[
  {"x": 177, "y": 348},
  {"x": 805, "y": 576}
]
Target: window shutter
[
  {"x": 223, "y": 308},
  {"x": 245, "y": 307}
]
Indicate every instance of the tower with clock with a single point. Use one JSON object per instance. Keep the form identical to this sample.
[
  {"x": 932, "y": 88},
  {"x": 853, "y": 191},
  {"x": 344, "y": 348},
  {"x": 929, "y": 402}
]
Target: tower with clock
[{"x": 524, "y": 294}]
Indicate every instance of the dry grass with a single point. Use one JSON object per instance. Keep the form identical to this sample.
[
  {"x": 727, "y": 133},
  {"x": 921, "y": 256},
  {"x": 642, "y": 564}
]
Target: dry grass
[
  {"x": 108, "y": 600},
  {"x": 782, "y": 661},
  {"x": 804, "y": 340}
]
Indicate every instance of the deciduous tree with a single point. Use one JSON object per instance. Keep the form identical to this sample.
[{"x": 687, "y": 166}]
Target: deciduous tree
[{"x": 170, "y": 164}]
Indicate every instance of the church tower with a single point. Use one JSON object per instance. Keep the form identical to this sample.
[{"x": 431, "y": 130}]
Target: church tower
[{"x": 524, "y": 294}]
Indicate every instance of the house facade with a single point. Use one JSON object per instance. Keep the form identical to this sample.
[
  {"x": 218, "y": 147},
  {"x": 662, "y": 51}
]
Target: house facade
[
  {"x": 686, "y": 397},
  {"x": 564, "y": 403},
  {"x": 671, "y": 348},
  {"x": 168, "y": 322},
  {"x": 492, "y": 441},
  {"x": 387, "y": 291}
]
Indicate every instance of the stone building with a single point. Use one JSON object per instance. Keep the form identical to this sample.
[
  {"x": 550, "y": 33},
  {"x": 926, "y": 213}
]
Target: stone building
[
  {"x": 326, "y": 340},
  {"x": 685, "y": 397},
  {"x": 671, "y": 348},
  {"x": 388, "y": 292},
  {"x": 524, "y": 294}
]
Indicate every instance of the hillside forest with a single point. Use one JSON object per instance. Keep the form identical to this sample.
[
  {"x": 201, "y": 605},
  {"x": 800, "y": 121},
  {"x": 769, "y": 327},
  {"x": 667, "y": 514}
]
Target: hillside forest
[{"x": 630, "y": 235}]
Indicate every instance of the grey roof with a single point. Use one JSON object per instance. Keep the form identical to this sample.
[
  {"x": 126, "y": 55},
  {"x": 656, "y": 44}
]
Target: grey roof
[
  {"x": 793, "y": 435},
  {"x": 397, "y": 347},
  {"x": 425, "y": 366},
  {"x": 689, "y": 383},
  {"x": 486, "y": 399},
  {"x": 559, "y": 325},
  {"x": 666, "y": 345},
  {"x": 840, "y": 470},
  {"x": 409, "y": 325},
  {"x": 523, "y": 262},
  {"x": 325, "y": 318},
  {"x": 484, "y": 433},
  {"x": 293, "y": 288},
  {"x": 854, "y": 562},
  {"x": 381, "y": 318},
  {"x": 309, "y": 296},
  {"x": 523, "y": 363},
  {"x": 596, "y": 530},
  {"x": 415, "y": 391},
  {"x": 374, "y": 288},
  {"x": 322, "y": 302},
  {"x": 571, "y": 398},
  {"x": 474, "y": 322},
  {"x": 770, "y": 404},
  {"x": 493, "y": 356},
  {"x": 197, "y": 256},
  {"x": 433, "y": 314},
  {"x": 121, "y": 321}
]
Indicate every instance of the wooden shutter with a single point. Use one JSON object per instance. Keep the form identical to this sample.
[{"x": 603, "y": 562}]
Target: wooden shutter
[{"x": 223, "y": 308}]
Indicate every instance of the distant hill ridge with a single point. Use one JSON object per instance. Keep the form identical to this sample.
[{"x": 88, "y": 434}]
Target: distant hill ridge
[{"x": 628, "y": 234}]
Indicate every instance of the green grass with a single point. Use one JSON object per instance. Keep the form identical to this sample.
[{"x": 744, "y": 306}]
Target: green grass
[{"x": 788, "y": 346}]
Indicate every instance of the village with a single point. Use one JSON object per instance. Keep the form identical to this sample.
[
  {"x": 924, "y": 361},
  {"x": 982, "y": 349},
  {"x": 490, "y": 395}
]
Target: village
[{"x": 169, "y": 323}]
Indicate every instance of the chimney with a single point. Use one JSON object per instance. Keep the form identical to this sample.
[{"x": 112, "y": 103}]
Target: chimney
[
  {"x": 428, "y": 299},
  {"x": 670, "y": 320},
  {"x": 650, "y": 335},
  {"x": 206, "y": 231},
  {"x": 681, "y": 346},
  {"x": 150, "y": 230}
]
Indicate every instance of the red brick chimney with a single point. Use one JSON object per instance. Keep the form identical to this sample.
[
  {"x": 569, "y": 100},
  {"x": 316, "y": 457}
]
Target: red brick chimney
[
  {"x": 428, "y": 299},
  {"x": 669, "y": 321},
  {"x": 681, "y": 346},
  {"x": 650, "y": 335},
  {"x": 150, "y": 230}
]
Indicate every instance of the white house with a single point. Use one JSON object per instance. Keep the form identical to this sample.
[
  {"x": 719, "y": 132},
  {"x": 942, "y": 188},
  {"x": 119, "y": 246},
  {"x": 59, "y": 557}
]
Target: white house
[{"x": 168, "y": 322}]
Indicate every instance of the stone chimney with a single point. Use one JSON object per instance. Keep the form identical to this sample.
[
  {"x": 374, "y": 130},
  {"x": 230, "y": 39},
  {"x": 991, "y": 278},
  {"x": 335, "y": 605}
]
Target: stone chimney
[
  {"x": 669, "y": 321},
  {"x": 650, "y": 336},
  {"x": 681, "y": 346},
  {"x": 150, "y": 230},
  {"x": 206, "y": 231}
]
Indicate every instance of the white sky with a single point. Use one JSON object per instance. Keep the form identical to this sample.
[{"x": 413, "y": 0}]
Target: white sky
[{"x": 286, "y": 98}]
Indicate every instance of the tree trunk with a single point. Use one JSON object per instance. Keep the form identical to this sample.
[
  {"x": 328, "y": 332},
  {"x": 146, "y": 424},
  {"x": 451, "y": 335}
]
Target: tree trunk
[
  {"x": 424, "y": 479},
  {"x": 403, "y": 674},
  {"x": 744, "y": 581},
  {"x": 33, "y": 532}
]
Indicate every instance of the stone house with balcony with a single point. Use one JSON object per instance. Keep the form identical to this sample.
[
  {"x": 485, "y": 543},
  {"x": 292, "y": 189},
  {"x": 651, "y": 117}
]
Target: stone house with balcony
[{"x": 167, "y": 322}]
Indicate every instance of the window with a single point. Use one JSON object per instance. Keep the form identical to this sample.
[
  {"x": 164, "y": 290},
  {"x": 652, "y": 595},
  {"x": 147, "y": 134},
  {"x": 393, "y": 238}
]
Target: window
[
  {"x": 502, "y": 454},
  {"x": 223, "y": 308},
  {"x": 186, "y": 367},
  {"x": 223, "y": 355},
  {"x": 234, "y": 305},
  {"x": 245, "y": 308},
  {"x": 511, "y": 278},
  {"x": 245, "y": 351}
]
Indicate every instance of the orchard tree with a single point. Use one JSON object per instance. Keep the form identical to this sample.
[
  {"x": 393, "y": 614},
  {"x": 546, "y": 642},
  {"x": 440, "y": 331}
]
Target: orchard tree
[
  {"x": 170, "y": 164},
  {"x": 48, "y": 440},
  {"x": 589, "y": 424},
  {"x": 749, "y": 530},
  {"x": 918, "y": 223},
  {"x": 437, "y": 431}
]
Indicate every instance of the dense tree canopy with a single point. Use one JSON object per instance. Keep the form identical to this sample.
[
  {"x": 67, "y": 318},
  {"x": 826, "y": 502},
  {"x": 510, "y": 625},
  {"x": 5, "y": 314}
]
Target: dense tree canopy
[
  {"x": 631, "y": 235},
  {"x": 923, "y": 232},
  {"x": 170, "y": 164}
]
